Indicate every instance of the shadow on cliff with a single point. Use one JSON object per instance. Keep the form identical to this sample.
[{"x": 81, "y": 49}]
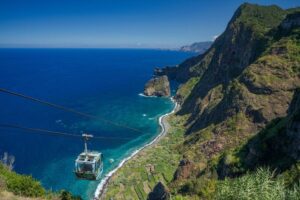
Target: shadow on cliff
[
  {"x": 276, "y": 147},
  {"x": 225, "y": 66}
]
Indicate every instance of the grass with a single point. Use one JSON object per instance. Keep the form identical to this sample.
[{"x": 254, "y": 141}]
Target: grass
[
  {"x": 259, "y": 185},
  {"x": 186, "y": 88}
]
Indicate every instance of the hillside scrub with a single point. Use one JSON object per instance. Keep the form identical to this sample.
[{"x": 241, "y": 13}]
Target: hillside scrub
[{"x": 261, "y": 184}]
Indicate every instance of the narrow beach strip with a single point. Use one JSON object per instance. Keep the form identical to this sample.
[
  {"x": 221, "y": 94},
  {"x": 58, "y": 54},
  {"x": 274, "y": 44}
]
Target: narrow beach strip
[{"x": 104, "y": 182}]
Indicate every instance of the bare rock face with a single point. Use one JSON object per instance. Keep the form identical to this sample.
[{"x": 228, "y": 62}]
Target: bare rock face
[
  {"x": 158, "y": 86},
  {"x": 160, "y": 192},
  {"x": 184, "y": 169}
]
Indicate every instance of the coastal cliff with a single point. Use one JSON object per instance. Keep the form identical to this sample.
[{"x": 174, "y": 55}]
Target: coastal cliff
[
  {"x": 197, "y": 47},
  {"x": 158, "y": 86},
  {"x": 239, "y": 112}
]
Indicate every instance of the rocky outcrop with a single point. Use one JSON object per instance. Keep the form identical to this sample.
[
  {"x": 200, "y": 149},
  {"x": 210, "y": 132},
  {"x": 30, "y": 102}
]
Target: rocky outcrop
[
  {"x": 158, "y": 86},
  {"x": 184, "y": 169},
  {"x": 160, "y": 192}
]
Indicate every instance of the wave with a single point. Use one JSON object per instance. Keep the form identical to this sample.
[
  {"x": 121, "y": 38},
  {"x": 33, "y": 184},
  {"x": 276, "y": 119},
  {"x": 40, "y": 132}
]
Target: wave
[
  {"x": 142, "y": 95},
  {"x": 101, "y": 187}
]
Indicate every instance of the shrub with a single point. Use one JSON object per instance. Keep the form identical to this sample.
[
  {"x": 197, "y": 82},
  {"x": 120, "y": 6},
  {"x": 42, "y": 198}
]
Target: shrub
[
  {"x": 65, "y": 195},
  {"x": 24, "y": 186},
  {"x": 187, "y": 188},
  {"x": 259, "y": 185},
  {"x": 21, "y": 184},
  {"x": 205, "y": 188}
]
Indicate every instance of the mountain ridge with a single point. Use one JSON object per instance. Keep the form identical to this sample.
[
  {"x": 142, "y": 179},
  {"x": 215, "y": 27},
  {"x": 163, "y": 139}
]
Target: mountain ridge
[
  {"x": 197, "y": 47},
  {"x": 229, "y": 95},
  {"x": 245, "y": 80}
]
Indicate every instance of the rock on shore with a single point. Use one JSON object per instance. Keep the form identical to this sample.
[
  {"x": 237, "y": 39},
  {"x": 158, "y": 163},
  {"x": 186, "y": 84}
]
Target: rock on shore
[{"x": 158, "y": 86}]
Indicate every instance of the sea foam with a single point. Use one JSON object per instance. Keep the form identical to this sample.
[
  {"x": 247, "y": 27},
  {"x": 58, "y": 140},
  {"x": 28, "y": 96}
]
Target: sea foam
[{"x": 142, "y": 95}]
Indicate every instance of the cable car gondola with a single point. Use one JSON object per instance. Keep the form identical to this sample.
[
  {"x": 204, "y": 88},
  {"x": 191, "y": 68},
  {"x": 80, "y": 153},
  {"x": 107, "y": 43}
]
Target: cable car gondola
[{"x": 89, "y": 164}]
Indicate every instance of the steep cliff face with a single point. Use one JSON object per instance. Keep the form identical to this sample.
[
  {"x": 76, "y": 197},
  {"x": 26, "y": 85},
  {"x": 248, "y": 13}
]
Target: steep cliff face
[
  {"x": 239, "y": 45},
  {"x": 239, "y": 111},
  {"x": 243, "y": 82},
  {"x": 251, "y": 70},
  {"x": 276, "y": 146},
  {"x": 158, "y": 86}
]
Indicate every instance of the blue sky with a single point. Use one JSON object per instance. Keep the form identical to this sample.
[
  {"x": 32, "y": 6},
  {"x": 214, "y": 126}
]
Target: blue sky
[{"x": 116, "y": 23}]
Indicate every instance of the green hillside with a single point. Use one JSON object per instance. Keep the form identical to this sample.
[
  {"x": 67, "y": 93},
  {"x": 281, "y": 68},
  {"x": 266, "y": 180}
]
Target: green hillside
[{"x": 238, "y": 101}]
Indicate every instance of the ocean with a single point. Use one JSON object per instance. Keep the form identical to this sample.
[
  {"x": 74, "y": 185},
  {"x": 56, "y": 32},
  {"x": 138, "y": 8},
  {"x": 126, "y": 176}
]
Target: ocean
[{"x": 102, "y": 82}]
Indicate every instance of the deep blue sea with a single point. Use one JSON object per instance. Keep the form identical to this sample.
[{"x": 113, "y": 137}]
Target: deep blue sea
[{"x": 101, "y": 82}]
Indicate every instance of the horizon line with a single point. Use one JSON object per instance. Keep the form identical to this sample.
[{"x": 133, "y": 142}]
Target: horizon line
[{"x": 155, "y": 48}]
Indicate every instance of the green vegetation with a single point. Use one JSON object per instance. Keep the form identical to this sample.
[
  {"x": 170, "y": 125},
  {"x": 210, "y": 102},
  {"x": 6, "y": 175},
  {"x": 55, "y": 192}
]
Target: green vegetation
[
  {"x": 158, "y": 163},
  {"x": 253, "y": 97},
  {"x": 202, "y": 187},
  {"x": 20, "y": 184},
  {"x": 65, "y": 195},
  {"x": 198, "y": 70},
  {"x": 186, "y": 89},
  {"x": 260, "y": 18},
  {"x": 26, "y": 186},
  {"x": 275, "y": 146},
  {"x": 233, "y": 121},
  {"x": 259, "y": 185}
]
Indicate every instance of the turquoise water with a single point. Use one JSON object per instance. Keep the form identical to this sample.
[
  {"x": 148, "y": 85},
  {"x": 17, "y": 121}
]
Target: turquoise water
[{"x": 101, "y": 82}]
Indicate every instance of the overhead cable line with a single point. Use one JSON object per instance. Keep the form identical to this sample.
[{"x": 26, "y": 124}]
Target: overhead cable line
[
  {"x": 68, "y": 109},
  {"x": 58, "y": 133}
]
